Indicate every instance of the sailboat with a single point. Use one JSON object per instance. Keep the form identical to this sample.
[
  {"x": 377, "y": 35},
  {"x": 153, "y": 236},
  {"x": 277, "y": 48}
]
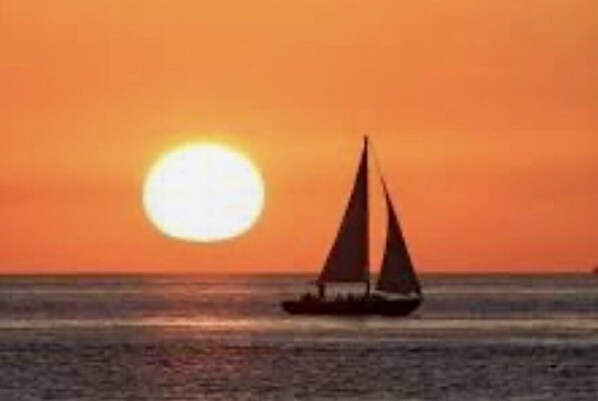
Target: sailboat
[{"x": 398, "y": 290}]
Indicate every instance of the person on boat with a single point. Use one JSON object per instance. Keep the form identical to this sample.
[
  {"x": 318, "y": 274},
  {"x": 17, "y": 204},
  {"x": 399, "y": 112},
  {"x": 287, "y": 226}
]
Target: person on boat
[
  {"x": 321, "y": 291},
  {"x": 307, "y": 297}
]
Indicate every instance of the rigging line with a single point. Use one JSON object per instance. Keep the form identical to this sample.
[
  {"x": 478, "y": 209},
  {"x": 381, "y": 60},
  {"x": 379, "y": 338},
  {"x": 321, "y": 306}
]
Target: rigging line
[
  {"x": 382, "y": 180},
  {"x": 378, "y": 166}
]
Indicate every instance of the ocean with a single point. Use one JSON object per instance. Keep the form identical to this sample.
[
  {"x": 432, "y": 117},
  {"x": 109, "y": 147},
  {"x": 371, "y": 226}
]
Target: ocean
[{"x": 225, "y": 338}]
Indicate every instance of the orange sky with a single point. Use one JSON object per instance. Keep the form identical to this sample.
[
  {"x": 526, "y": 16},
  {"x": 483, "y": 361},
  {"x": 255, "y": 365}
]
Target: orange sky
[{"x": 484, "y": 114}]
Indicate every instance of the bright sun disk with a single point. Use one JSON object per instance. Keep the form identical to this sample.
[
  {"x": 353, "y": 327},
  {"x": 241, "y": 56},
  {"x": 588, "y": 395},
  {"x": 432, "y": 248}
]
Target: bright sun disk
[{"x": 204, "y": 193}]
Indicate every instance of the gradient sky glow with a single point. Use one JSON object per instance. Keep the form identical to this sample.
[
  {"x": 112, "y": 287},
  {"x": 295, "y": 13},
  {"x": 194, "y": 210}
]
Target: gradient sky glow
[{"x": 484, "y": 115}]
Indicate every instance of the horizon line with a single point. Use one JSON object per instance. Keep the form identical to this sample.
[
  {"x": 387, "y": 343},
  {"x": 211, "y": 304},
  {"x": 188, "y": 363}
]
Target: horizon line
[{"x": 271, "y": 273}]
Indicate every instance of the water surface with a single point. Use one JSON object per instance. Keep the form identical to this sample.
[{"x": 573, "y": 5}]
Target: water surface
[{"x": 222, "y": 338}]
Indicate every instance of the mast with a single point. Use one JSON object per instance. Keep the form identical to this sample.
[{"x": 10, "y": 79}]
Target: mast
[{"x": 367, "y": 213}]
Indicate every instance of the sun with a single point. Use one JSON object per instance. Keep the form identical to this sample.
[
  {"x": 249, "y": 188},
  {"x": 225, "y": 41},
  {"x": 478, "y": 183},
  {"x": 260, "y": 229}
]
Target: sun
[{"x": 203, "y": 193}]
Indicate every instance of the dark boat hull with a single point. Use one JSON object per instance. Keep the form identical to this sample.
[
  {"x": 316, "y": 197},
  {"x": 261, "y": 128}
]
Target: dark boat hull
[{"x": 358, "y": 307}]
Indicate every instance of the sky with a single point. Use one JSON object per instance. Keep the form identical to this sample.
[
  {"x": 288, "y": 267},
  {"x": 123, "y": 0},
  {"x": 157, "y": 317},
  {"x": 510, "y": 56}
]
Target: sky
[{"x": 484, "y": 115}]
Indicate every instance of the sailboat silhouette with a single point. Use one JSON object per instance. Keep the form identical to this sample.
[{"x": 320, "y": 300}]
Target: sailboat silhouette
[{"x": 398, "y": 290}]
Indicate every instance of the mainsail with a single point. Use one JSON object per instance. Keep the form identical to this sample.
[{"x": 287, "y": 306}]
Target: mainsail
[
  {"x": 348, "y": 259},
  {"x": 397, "y": 274}
]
